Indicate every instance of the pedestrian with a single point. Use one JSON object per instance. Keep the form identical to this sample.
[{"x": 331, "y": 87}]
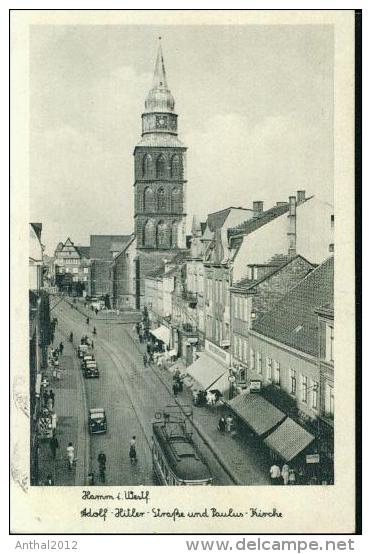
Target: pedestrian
[
  {"x": 222, "y": 424},
  {"x": 54, "y": 445},
  {"x": 96, "y": 311},
  {"x": 49, "y": 481},
  {"x": 285, "y": 474},
  {"x": 292, "y": 477},
  {"x": 70, "y": 455},
  {"x": 275, "y": 474},
  {"x": 229, "y": 423},
  {"x": 91, "y": 479},
  {"x": 132, "y": 450},
  {"x": 61, "y": 346},
  {"x": 92, "y": 345},
  {"x": 45, "y": 398},
  {"x": 137, "y": 328},
  {"x": 52, "y": 397},
  {"x": 87, "y": 321},
  {"x": 175, "y": 389},
  {"x": 145, "y": 359}
]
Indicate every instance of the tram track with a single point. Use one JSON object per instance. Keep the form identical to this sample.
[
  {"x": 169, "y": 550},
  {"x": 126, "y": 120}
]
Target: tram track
[{"x": 125, "y": 363}]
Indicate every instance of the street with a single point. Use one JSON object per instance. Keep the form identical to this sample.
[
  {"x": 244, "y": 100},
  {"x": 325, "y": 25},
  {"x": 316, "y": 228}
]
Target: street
[{"x": 130, "y": 394}]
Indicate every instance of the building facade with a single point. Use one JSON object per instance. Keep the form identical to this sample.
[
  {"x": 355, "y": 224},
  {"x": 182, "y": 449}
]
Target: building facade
[
  {"x": 72, "y": 268},
  {"x": 103, "y": 249}
]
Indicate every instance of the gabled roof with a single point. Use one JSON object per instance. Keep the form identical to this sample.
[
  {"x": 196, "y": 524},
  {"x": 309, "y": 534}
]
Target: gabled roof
[
  {"x": 125, "y": 247},
  {"x": 293, "y": 320},
  {"x": 175, "y": 260},
  {"x": 100, "y": 245},
  {"x": 84, "y": 251},
  {"x": 253, "y": 224},
  {"x": 272, "y": 269}
]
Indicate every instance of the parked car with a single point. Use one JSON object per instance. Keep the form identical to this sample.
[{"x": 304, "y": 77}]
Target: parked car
[{"x": 97, "y": 421}]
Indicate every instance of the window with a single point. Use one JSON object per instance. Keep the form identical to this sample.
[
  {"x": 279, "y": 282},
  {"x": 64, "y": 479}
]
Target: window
[
  {"x": 160, "y": 166},
  {"x": 259, "y": 367},
  {"x": 226, "y": 327},
  {"x": 148, "y": 200},
  {"x": 315, "y": 395},
  {"x": 329, "y": 343},
  {"x": 245, "y": 349},
  {"x": 67, "y": 269},
  {"x": 161, "y": 199},
  {"x": 149, "y": 233},
  {"x": 174, "y": 236},
  {"x": 75, "y": 279},
  {"x": 252, "y": 359},
  {"x": 75, "y": 270},
  {"x": 85, "y": 278},
  {"x": 235, "y": 346},
  {"x": 86, "y": 270},
  {"x": 277, "y": 373},
  {"x": 162, "y": 235},
  {"x": 304, "y": 389},
  {"x": 268, "y": 363},
  {"x": 293, "y": 381},
  {"x": 175, "y": 166},
  {"x": 146, "y": 165}
]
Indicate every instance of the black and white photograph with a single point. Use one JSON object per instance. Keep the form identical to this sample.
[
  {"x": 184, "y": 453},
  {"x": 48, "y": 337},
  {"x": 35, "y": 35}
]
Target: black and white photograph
[{"x": 183, "y": 213}]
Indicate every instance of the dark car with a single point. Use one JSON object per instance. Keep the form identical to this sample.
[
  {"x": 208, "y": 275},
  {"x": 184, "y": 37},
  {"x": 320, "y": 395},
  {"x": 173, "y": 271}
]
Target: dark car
[
  {"x": 91, "y": 370},
  {"x": 97, "y": 420}
]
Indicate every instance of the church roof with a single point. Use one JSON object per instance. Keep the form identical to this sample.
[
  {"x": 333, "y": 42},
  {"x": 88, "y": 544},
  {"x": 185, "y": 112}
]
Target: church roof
[
  {"x": 100, "y": 245},
  {"x": 162, "y": 140}
]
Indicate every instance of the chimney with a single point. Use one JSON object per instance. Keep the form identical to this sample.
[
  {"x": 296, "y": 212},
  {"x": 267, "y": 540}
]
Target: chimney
[
  {"x": 257, "y": 207},
  {"x": 291, "y": 232},
  {"x": 300, "y": 196},
  {"x": 281, "y": 204}
]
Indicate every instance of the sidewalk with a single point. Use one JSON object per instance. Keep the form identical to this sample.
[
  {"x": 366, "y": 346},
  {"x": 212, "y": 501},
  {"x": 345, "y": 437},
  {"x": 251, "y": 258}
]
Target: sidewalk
[
  {"x": 70, "y": 424},
  {"x": 242, "y": 456}
]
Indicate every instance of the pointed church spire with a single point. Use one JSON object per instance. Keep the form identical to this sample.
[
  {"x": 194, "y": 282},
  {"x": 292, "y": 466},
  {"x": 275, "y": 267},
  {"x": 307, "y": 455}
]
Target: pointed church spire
[
  {"x": 159, "y": 77},
  {"x": 159, "y": 97}
]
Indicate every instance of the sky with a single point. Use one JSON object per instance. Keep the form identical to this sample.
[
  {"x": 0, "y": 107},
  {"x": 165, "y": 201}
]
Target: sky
[{"x": 255, "y": 107}]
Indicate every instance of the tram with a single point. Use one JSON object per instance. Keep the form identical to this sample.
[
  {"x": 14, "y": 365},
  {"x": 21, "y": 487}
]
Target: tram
[{"x": 176, "y": 459}]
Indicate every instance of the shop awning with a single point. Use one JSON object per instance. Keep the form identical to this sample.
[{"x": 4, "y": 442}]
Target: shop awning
[
  {"x": 259, "y": 414},
  {"x": 288, "y": 440},
  {"x": 206, "y": 371},
  {"x": 162, "y": 333}
]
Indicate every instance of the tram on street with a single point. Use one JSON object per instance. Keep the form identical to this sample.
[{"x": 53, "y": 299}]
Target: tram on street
[{"x": 176, "y": 460}]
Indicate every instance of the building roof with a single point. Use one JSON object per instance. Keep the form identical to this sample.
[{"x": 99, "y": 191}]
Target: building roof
[
  {"x": 172, "y": 260},
  {"x": 272, "y": 269},
  {"x": 162, "y": 140},
  {"x": 293, "y": 320},
  {"x": 253, "y": 224},
  {"x": 84, "y": 251},
  {"x": 100, "y": 245}
]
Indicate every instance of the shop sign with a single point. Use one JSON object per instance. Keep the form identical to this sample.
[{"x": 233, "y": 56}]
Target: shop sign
[
  {"x": 312, "y": 458},
  {"x": 255, "y": 386}
]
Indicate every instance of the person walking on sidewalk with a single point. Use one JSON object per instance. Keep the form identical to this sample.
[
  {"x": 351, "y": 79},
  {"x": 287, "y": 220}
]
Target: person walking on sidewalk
[
  {"x": 49, "y": 481},
  {"x": 54, "y": 445},
  {"x": 285, "y": 474},
  {"x": 229, "y": 423},
  {"x": 61, "y": 346},
  {"x": 133, "y": 450},
  {"x": 275, "y": 474},
  {"x": 70, "y": 455},
  {"x": 222, "y": 424},
  {"x": 145, "y": 361},
  {"x": 51, "y": 397}
]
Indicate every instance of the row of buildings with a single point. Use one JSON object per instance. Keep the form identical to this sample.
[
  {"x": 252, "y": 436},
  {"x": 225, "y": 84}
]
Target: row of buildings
[
  {"x": 245, "y": 301},
  {"x": 39, "y": 337}
]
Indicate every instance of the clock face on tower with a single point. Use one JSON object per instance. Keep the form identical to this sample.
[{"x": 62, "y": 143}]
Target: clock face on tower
[{"x": 161, "y": 122}]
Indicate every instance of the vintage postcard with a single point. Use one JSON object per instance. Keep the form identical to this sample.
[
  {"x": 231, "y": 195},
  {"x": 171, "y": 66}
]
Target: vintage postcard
[{"x": 182, "y": 272}]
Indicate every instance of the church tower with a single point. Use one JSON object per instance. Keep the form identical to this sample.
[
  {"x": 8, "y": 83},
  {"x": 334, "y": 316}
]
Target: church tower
[{"x": 160, "y": 181}]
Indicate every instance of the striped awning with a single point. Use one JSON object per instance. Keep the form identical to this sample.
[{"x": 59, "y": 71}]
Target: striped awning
[
  {"x": 289, "y": 439},
  {"x": 259, "y": 414}
]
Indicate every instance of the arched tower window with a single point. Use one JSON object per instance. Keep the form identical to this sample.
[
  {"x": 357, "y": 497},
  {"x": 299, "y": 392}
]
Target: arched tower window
[
  {"x": 161, "y": 199},
  {"x": 146, "y": 165},
  {"x": 149, "y": 234},
  {"x": 176, "y": 199},
  {"x": 160, "y": 166},
  {"x": 148, "y": 200},
  {"x": 175, "y": 166},
  {"x": 174, "y": 234},
  {"x": 162, "y": 235}
]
